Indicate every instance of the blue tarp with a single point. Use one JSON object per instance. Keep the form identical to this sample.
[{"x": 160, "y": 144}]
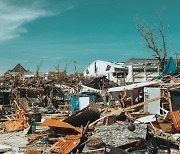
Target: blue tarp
[{"x": 168, "y": 69}]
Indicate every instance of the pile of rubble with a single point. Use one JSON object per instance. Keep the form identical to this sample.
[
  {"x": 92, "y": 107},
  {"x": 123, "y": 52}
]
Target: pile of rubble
[{"x": 71, "y": 114}]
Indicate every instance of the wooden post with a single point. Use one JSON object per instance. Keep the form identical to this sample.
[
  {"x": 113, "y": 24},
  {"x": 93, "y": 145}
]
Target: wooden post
[
  {"x": 132, "y": 98},
  {"x": 124, "y": 76},
  {"x": 169, "y": 100},
  {"x": 117, "y": 79},
  {"x": 145, "y": 71},
  {"x": 159, "y": 69},
  {"x": 176, "y": 54},
  {"x": 133, "y": 73}
]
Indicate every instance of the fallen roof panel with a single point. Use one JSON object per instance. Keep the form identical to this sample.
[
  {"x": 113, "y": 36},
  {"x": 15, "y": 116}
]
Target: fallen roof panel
[
  {"x": 67, "y": 144},
  {"x": 58, "y": 123},
  {"x": 82, "y": 117}
]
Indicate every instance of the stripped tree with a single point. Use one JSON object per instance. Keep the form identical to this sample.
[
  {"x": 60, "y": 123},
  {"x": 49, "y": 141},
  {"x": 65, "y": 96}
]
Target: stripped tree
[
  {"x": 37, "y": 69},
  {"x": 155, "y": 39},
  {"x": 57, "y": 69}
]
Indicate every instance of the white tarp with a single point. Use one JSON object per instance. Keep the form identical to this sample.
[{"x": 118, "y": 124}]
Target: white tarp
[
  {"x": 132, "y": 86},
  {"x": 146, "y": 119}
]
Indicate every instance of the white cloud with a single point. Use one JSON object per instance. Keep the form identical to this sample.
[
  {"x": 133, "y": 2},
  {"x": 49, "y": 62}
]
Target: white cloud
[{"x": 13, "y": 16}]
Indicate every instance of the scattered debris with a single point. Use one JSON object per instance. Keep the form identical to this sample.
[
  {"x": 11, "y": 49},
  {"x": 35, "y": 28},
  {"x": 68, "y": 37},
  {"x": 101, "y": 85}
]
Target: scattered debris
[{"x": 60, "y": 113}]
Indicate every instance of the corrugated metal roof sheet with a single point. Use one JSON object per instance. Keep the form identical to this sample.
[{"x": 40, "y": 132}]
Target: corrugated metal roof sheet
[
  {"x": 82, "y": 117},
  {"x": 67, "y": 144},
  {"x": 175, "y": 117}
]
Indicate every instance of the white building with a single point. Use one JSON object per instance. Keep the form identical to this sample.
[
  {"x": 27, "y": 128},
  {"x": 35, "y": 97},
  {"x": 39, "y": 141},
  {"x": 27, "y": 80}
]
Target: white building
[
  {"x": 112, "y": 70},
  {"x": 140, "y": 70},
  {"x": 133, "y": 71}
]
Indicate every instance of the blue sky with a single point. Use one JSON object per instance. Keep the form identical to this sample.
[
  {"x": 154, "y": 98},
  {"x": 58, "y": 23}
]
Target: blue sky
[{"x": 63, "y": 31}]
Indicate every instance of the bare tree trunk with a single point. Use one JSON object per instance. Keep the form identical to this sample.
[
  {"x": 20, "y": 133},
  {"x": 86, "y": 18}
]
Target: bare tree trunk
[{"x": 155, "y": 40}]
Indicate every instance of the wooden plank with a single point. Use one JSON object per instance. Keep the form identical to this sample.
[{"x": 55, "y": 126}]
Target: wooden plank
[
  {"x": 121, "y": 110},
  {"x": 141, "y": 104},
  {"x": 169, "y": 100}
]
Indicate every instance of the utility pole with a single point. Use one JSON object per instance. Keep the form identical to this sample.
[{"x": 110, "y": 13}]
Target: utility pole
[{"x": 176, "y": 54}]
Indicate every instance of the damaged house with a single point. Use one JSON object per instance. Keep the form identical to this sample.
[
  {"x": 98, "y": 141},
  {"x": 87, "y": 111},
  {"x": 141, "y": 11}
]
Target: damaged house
[
  {"x": 114, "y": 71},
  {"x": 141, "y": 70},
  {"x": 139, "y": 117},
  {"x": 132, "y": 71}
]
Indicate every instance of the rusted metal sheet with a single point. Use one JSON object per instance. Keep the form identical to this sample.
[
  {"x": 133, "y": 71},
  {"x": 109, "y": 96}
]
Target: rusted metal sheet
[
  {"x": 175, "y": 117},
  {"x": 58, "y": 123},
  {"x": 94, "y": 152},
  {"x": 95, "y": 143},
  {"x": 67, "y": 144},
  {"x": 82, "y": 117},
  {"x": 22, "y": 122},
  {"x": 15, "y": 125},
  {"x": 29, "y": 151}
]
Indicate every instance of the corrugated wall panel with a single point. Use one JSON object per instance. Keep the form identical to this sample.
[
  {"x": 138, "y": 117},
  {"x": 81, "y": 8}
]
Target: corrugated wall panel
[{"x": 175, "y": 117}]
